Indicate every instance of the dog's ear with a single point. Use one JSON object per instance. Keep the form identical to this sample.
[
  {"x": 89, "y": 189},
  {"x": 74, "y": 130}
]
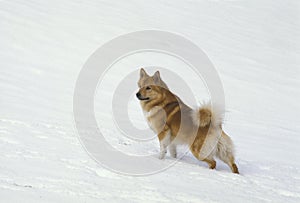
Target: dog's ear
[
  {"x": 143, "y": 73},
  {"x": 156, "y": 77}
]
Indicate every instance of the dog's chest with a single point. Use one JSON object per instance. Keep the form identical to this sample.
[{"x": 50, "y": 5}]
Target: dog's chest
[{"x": 156, "y": 118}]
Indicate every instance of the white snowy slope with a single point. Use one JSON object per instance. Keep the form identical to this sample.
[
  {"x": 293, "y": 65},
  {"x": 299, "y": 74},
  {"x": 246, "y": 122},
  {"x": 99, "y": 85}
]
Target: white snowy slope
[{"x": 254, "y": 45}]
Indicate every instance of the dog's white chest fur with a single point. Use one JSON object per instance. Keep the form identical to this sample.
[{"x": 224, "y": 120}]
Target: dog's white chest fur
[{"x": 156, "y": 118}]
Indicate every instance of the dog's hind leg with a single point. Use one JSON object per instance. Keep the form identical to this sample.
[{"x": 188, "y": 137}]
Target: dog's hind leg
[
  {"x": 225, "y": 152},
  {"x": 209, "y": 160},
  {"x": 211, "y": 163}
]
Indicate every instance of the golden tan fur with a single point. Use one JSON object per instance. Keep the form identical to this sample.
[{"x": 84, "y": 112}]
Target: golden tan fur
[{"x": 176, "y": 123}]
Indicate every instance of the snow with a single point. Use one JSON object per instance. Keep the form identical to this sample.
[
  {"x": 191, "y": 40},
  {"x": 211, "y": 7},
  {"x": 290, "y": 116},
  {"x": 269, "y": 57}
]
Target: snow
[{"x": 254, "y": 45}]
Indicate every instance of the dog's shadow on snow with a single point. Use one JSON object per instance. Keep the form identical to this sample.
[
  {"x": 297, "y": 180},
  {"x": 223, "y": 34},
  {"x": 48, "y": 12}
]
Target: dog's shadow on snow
[
  {"x": 189, "y": 159},
  {"x": 246, "y": 168},
  {"x": 185, "y": 157}
]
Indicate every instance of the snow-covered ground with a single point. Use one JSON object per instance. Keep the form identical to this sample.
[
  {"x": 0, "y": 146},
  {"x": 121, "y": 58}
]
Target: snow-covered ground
[{"x": 254, "y": 45}]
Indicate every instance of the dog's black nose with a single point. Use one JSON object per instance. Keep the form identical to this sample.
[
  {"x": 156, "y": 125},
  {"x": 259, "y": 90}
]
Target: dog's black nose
[{"x": 138, "y": 95}]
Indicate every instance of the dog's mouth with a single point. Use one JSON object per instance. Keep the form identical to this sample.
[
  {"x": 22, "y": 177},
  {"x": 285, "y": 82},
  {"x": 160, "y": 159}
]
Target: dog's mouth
[
  {"x": 143, "y": 99},
  {"x": 140, "y": 97}
]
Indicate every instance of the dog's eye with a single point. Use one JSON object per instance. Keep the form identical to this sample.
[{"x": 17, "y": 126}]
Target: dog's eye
[{"x": 148, "y": 88}]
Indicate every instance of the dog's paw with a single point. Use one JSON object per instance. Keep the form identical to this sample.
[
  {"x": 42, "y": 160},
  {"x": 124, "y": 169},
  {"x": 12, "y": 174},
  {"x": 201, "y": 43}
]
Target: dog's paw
[
  {"x": 173, "y": 155},
  {"x": 162, "y": 155}
]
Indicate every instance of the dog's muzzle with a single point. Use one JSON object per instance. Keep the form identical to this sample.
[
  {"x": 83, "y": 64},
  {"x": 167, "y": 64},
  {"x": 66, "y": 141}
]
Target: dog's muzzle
[{"x": 139, "y": 96}]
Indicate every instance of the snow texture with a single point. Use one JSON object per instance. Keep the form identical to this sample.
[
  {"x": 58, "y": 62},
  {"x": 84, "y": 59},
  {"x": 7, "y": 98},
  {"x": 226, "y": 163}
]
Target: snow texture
[{"x": 254, "y": 46}]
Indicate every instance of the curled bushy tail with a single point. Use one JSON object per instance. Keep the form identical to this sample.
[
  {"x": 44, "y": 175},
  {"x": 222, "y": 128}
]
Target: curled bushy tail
[{"x": 204, "y": 116}]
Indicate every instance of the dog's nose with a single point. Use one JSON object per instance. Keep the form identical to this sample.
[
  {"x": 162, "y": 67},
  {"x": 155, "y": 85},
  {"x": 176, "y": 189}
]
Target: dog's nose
[{"x": 138, "y": 95}]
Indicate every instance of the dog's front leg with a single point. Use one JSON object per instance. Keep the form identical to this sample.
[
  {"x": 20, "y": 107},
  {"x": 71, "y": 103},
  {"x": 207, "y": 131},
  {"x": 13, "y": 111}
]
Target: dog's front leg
[
  {"x": 164, "y": 140},
  {"x": 172, "y": 150}
]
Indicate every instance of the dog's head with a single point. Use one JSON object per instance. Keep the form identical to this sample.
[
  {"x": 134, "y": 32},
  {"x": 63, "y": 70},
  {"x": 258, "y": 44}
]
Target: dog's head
[
  {"x": 150, "y": 93},
  {"x": 150, "y": 86}
]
